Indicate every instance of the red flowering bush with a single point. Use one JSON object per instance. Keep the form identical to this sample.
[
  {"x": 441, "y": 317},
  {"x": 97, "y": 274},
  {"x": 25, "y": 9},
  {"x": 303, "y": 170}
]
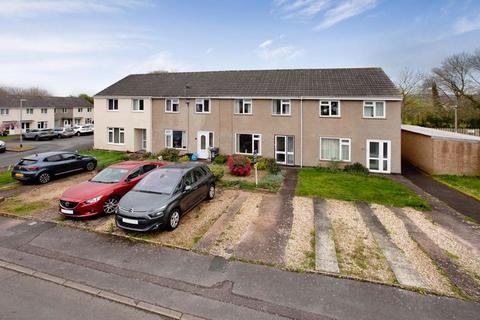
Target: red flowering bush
[{"x": 239, "y": 165}]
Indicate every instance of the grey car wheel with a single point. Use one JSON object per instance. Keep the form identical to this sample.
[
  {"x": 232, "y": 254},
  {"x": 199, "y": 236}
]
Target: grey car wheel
[
  {"x": 211, "y": 192},
  {"x": 90, "y": 166},
  {"x": 173, "y": 219},
  {"x": 44, "y": 177},
  {"x": 110, "y": 205}
]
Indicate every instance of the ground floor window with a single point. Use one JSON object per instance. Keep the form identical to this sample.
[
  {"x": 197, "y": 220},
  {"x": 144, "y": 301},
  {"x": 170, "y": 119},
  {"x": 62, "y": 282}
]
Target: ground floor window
[
  {"x": 116, "y": 135},
  {"x": 25, "y": 125},
  {"x": 88, "y": 121},
  {"x": 42, "y": 124},
  {"x": 77, "y": 121},
  {"x": 175, "y": 139},
  {"x": 247, "y": 143},
  {"x": 335, "y": 149}
]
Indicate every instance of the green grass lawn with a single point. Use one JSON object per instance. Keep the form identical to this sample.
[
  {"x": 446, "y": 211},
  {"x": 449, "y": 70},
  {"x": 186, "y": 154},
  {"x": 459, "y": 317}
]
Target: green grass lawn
[
  {"x": 9, "y": 138},
  {"x": 357, "y": 187},
  {"x": 468, "y": 185},
  {"x": 106, "y": 158},
  {"x": 6, "y": 177}
]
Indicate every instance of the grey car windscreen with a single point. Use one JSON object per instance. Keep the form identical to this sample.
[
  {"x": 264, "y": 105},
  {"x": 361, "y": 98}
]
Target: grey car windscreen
[{"x": 159, "y": 181}]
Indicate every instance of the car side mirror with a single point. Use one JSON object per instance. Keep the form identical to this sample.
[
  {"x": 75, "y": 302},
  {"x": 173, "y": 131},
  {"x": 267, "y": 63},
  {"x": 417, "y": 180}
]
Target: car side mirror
[{"x": 187, "y": 188}]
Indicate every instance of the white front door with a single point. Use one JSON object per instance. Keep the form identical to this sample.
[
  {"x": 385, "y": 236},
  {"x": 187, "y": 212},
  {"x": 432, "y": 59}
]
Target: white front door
[
  {"x": 204, "y": 143},
  {"x": 67, "y": 122},
  {"x": 284, "y": 150},
  {"x": 379, "y": 155}
]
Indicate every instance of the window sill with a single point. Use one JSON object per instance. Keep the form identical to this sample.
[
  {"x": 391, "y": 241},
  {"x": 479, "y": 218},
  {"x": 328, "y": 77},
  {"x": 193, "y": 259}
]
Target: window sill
[
  {"x": 116, "y": 144},
  {"x": 334, "y": 117},
  {"x": 243, "y": 114},
  {"x": 375, "y": 118},
  {"x": 138, "y": 111},
  {"x": 202, "y": 112},
  {"x": 281, "y": 115},
  {"x": 108, "y": 111},
  {"x": 330, "y": 160},
  {"x": 247, "y": 154},
  {"x": 172, "y": 111}
]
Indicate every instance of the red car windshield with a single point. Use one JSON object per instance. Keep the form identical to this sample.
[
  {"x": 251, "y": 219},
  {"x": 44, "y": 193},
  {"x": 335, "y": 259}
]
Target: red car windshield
[{"x": 109, "y": 175}]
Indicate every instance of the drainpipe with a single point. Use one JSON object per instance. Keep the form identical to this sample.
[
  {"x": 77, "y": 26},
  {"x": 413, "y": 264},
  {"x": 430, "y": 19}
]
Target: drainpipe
[{"x": 301, "y": 132}]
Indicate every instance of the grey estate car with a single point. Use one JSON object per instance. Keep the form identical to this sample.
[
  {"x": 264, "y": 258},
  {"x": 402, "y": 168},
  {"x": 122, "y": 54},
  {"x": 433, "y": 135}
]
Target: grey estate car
[
  {"x": 162, "y": 197},
  {"x": 39, "y": 134}
]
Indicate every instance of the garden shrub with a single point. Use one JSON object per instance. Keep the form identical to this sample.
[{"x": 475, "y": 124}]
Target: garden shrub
[
  {"x": 272, "y": 182},
  {"x": 169, "y": 154},
  {"x": 217, "y": 171},
  {"x": 220, "y": 159},
  {"x": 262, "y": 163},
  {"x": 272, "y": 166},
  {"x": 356, "y": 168},
  {"x": 184, "y": 158},
  {"x": 239, "y": 165}
]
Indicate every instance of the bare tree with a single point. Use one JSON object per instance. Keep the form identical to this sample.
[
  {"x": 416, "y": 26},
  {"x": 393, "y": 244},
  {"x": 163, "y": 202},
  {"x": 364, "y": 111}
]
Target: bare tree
[
  {"x": 32, "y": 91},
  {"x": 409, "y": 82}
]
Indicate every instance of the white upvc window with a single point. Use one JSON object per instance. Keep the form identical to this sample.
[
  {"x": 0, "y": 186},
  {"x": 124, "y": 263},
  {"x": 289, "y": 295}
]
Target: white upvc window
[
  {"x": 42, "y": 125},
  {"x": 281, "y": 107},
  {"x": 329, "y": 108},
  {"x": 77, "y": 121},
  {"x": 89, "y": 109},
  {"x": 112, "y": 104},
  {"x": 374, "y": 109},
  {"x": 202, "y": 106},
  {"x": 172, "y": 105},
  {"x": 88, "y": 121},
  {"x": 64, "y": 110},
  {"x": 29, "y": 111},
  {"x": 4, "y": 111},
  {"x": 116, "y": 136},
  {"x": 335, "y": 149},
  {"x": 79, "y": 109},
  {"x": 138, "y": 105},
  {"x": 243, "y": 106},
  {"x": 248, "y": 143},
  {"x": 44, "y": 110},
  {"x": 176, "y": 139}
]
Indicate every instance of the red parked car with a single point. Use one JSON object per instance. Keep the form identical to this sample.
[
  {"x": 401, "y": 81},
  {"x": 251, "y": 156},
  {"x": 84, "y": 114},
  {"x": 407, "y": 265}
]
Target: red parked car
[{"x": 102, "y": 193}]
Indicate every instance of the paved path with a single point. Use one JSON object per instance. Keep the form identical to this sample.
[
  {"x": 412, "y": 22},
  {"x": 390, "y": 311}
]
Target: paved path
[
  {"x": 459, "y": 201},
  {"x": 200, "y": 285},
  {"x": 325, "y": 254}
]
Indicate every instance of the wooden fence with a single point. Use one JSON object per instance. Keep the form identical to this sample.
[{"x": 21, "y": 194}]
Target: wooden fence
[{"x": 472, "y": 132}]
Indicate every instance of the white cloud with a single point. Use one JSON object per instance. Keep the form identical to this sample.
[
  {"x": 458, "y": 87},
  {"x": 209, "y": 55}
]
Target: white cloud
[
  {"x": 345, "y": 10},
  {"x": 465, "y": 24},
  {"x": 267, "y": 51},
  {"x": 162, "y": 61},
  {"x": 302, "y": 8},
  {"x": 32, "y": 7}
]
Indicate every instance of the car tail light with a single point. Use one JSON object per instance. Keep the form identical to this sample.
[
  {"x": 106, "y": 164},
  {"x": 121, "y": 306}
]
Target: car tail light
[{"x": 32, "y": 168}]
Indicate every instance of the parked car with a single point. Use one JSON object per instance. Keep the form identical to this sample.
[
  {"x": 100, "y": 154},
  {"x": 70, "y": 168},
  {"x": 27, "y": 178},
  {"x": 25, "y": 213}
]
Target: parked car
[
  {"x": 39, "y": 134},
  {"x": 83, "y": 130},
  {"x": 3, "y": 146},
  {"x": 102, "y": 193},
  {"x": 43, "y": 167},
  {"x": 162, "y": 197},
  {"x": 64, "y": 132}
]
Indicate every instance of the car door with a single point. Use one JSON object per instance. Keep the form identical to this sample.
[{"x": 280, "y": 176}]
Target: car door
[
  {"x": 188, "y": 198},
  {"x": 201, "y": 186},
  {"x": 54, "y": 164},
  {"x": 71, "y": 162}
]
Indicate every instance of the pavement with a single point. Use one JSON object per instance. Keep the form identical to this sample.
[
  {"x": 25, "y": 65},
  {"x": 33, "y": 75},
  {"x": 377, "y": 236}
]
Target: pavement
[
  {"x": 130, "y": 275},
  {"x": 70, "y": 144}
]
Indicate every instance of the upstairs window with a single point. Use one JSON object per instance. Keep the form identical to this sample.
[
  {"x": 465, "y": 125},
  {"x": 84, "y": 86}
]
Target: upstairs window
[
  {"x": 281, "y": 107},
  {"x": 329, "y": 108},
  {"x": 138, "y": 105},
  {"x": 202, "y": 105},
  {"x": 243, "y": 106},
  {"x": 65, "y": 110},
  {"x": 79, "y": 109},
  {"x": 29, "y": 111},
  {"x": 172, "y": 105},
  {"x": 112, "y": 105},
  {"x": 44, "y": 110},
  {"x": 374, "y": 109},
  {"x": 89, "y": 109}
]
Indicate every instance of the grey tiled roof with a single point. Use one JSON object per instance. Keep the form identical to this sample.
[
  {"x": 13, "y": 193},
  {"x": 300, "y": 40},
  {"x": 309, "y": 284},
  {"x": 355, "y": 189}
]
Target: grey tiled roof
[
  {"x": 13, "y": 101},
  {"x": 352, "y": 82}
]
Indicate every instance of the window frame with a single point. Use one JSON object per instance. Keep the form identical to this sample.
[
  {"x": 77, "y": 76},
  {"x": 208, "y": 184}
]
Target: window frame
[
  {"x": 171, "y": 104},
  {"x": 44, "y": 124},
  {"x": 374, "y": 105},
  {"x": 80, "y": 110},
  {"x": 203, "y": 105},
  {"x": 282, "y": 101},
  {"x": 43, "y": 109},
  {"x": 330, "y": 109},
  {"x": 120, "y": 130},
  {"x": 258, "y": 138},
  {"x": 237, "y": 107},
  {"x": 108, "y": 105},
  {"x": 29, "y": 111},
  {"x": 4, "y": 111},
  {"x": 339, "y": 149},
  {"x": 142, "y": 109},
  {"x": 89, "y": 109},
  {"x": 184, "y": 143}
]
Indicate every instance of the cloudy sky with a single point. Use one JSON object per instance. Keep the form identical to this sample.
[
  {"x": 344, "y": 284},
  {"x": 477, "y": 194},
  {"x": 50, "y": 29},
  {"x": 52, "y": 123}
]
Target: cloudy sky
[{"x": 69, "y": 47}]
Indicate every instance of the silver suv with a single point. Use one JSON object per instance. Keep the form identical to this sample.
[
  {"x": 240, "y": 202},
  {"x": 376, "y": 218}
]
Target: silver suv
[
  {"x": 64, "y": 132},
  {"x": 39, "y": 134}
]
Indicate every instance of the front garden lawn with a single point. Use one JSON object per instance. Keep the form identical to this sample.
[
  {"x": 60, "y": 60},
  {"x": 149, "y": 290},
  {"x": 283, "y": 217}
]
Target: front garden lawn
[
  {"x": 468, "y": 185},
  {"x": 104, "y": 157},
  {"x": 357, "y": 187}
]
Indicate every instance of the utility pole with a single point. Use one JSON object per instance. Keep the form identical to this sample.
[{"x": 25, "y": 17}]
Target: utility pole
[
  {"x": 21, "y": 127},
  {"x": 455, "y": 107}
]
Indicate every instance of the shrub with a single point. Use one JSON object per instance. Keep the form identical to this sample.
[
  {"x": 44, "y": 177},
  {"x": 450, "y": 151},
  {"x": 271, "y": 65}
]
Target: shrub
[
  {"x": 217, "y": 171},
  {"x": 220, "y": 159},
  {"x": 169, "y": 154},
  {"x": 262, "y": 163},
  {"x": 334, "y": 165},
  {"x": 239, "y": 165},
  {"x": 184, "y": 158},
  {"x": 272, "y": 182},
  {"x": 272, "y": 166},
  {"x": 356, "y": 168}
]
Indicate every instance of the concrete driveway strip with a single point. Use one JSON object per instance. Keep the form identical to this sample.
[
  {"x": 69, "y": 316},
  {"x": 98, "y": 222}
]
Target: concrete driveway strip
[
  {"x": 181, "y": 280},
  {"x": 325, "y": 254}
]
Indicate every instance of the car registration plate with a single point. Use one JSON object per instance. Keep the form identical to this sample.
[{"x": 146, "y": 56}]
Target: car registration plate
[
  {"x": 18, "y": 174},
  {"x": 131, "y": 221},
  {"x": 66, "y": 211}
]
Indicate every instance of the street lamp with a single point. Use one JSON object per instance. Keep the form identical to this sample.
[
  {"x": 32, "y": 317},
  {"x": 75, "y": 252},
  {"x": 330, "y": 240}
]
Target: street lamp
[{"x": 21, "y": 127}]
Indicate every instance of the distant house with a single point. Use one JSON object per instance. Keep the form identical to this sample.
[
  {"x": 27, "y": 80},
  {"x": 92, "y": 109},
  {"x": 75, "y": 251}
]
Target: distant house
[
  {"x": 41, "y": 112},
  {"x": 303, "y": 117},
  {"x": 441, "y": 152}
]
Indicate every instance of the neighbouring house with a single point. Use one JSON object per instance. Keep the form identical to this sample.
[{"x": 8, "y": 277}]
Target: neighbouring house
[
  {"x": 303, "y": 117},
  {"x": 441, "y": 152},
  {"x": 42, "y": 112}
]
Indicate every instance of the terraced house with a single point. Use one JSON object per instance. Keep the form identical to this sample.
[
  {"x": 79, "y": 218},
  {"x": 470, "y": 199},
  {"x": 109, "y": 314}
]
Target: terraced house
[
  {"x": 41, "y": 112},
  {"x": 302, "y": 117}
]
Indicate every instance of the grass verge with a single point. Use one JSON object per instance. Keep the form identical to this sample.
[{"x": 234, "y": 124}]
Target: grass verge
[
  {"x": 357, "y": 187},
  {"x": 13, "y": 206},
  {"x": 468, "y": 185},
  {"x": 104, "y": 157}
]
